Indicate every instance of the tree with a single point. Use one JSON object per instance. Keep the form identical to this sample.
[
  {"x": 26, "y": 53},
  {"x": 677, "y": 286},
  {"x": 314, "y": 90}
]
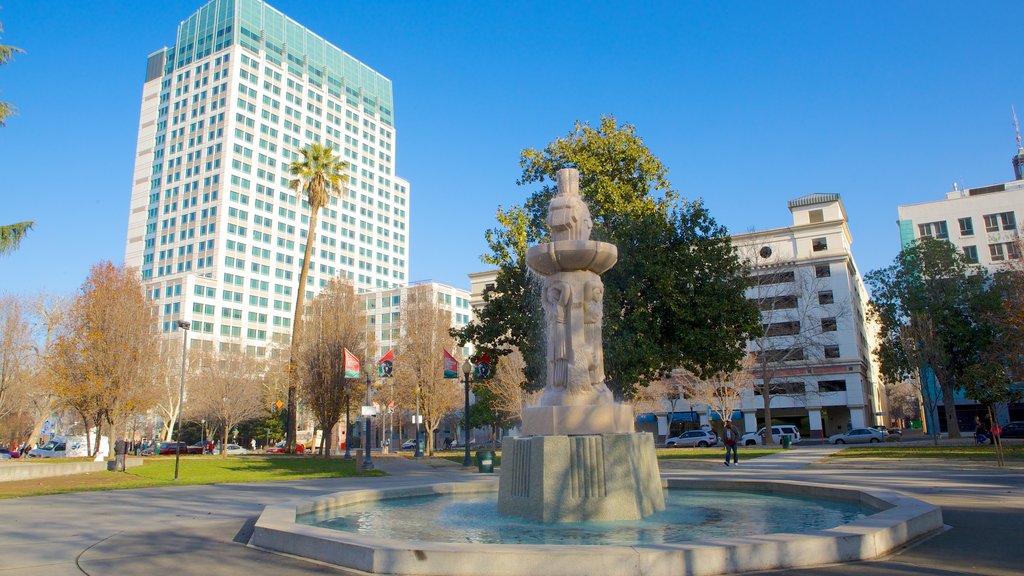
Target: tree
[
  {"x": 104, "y": 363},
  {"x": 49, "y": 321},
  {"x": 11, "y": 234},
  {"x": 332, "y": 323},
  {"x": 319, "y": 174},
  {"x": 6, "y": 108},
  {"x": 722, "y": 391},
  {"x": 419, "y": 367},
  {"x": 506, "y": 390},
  {"x": 675, "y": 296},
  {"x": 799, "y": 320},
  {"x": 926, "y": 304},
  {"x": 228, "y": 390},
  {"x": 167, "y": 387},
  {"x": 15, "y": 353}
]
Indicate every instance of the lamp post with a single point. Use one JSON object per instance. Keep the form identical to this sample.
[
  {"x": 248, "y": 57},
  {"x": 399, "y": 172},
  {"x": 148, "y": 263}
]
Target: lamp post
[
  {"x": 467, "y": 367},
  {"x": 367, "y": 461},
  {"x": 417, "y": 419},
  {"x": 181, "y": 392},
  {"x": 348, "y": 426}
]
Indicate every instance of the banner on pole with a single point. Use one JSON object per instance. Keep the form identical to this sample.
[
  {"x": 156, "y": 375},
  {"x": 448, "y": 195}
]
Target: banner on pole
[
  {"x": 352, "y": 369},
  {"x": 451, "y": 366}
]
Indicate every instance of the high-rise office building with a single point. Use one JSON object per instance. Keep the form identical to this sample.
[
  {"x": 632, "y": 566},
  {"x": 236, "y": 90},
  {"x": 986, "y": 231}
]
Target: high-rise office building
[{"x": 214, "y": 228}]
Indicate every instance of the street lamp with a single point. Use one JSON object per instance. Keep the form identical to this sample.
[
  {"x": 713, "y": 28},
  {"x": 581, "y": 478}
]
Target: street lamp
[
  {"x": 417, "y": 419},
  {"x": 467, "y": 367},
  {"x": 181, "y": 392},
  {"x": 367, "y": 410}
]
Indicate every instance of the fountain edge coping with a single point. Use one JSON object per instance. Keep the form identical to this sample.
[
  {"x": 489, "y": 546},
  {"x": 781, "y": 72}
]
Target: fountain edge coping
[{"x": 901, "y": 520}]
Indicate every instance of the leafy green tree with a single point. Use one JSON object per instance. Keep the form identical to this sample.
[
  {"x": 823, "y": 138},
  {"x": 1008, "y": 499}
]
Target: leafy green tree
[
  {"x": 12, "y": 235},
  {"x": 928, "y": 304},
  {"x": 676, "y": 296},
  {"x": 319, "y": 174}
]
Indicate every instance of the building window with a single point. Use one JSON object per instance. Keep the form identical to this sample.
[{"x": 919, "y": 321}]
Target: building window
[
  {"x": 832, "y": 351},
  {"x": 828, "y": 324},
  {"x": 995, "y": 251},
  {"x": 822, "y": 271},
  {"x": 966, "y": 226},
  {"x": 1012, "y": 252},
  {"x": 777, "y": 303},
  {"x": 783, "y": 355},
  {"x": 825, "y": 297},
  {"x": 971, "y": 254},
  {"x": 934, "y": 229},
  {"x": 782, "y": 328},
  {"x": 819, "y": 244},
  {"x": 816, "y": 216},
  {"x": 775, "y": 278},
  {"x": 992, "y": 221},
  {"x": 832, "y": 386}
]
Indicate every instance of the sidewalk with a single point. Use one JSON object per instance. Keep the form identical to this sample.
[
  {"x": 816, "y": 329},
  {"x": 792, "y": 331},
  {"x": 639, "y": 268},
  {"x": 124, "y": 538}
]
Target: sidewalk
[{"x": 202, "y": 529}]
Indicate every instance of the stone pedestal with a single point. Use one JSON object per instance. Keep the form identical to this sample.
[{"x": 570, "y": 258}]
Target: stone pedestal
[
  {"x": 579, "y": 478},
  {"x": 572, "y": 420}
]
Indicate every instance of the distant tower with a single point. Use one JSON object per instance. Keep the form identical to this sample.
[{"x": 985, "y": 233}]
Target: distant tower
[{"x": 1018, "y": 158}]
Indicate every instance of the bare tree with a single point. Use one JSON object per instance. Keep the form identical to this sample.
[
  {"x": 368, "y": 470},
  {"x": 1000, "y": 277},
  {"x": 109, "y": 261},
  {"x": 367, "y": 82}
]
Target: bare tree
[
  {"x": 722, "y": 392},
  {"x": 15, "y": 353},
  {"x": 333, "y": 322},
  {"x": 418, "y": 358},
  {"x": 49, "y": 320},
  {"x": 800, "y": 316},
  {"x": 508, "y": 387},
  {"x": 228, "y": 389}
]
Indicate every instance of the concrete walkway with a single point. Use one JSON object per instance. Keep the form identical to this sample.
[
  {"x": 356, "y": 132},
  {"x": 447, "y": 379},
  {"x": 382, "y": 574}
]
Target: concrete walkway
[{"x": 201, "y": 529}]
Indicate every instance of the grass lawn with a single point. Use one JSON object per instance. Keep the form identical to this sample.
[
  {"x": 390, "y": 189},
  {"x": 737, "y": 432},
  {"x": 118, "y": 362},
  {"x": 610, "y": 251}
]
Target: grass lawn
[
  {"x": 712, "y": 453},
  {"x": 1013, "y": 452},
  {"x": 159, "y": 471}
]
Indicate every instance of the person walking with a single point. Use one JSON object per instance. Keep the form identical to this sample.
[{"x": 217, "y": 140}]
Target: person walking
[{"x": 731, "y": 436}]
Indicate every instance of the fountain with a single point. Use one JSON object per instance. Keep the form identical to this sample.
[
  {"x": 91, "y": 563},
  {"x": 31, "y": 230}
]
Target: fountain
[
  {"x": 579, "y": 457},
  {"x": 580, "y": 492}
]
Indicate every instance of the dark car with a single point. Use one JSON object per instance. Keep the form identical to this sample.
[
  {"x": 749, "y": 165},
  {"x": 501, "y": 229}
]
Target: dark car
[
  {"x": 1013, "y": 430},
  {"x": 10, "y": 453},
  {"x": 172, "y": 448}
]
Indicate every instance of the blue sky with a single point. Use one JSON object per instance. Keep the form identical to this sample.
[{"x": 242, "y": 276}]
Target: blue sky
[{"x": 748, "y": 104}]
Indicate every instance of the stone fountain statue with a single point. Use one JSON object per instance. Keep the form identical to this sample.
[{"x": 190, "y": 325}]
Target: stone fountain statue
[{"x": 579, "y": 458}]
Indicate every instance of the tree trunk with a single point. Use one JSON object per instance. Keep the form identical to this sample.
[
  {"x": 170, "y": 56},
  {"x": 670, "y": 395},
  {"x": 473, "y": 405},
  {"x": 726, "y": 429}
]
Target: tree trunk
[
  {"x": 325, "y": 442},
  {"x": 44, "y": 415},
  {"x": 300, "y": 299},
  {"x": 766, "y": 394},
  {"x": 952, "y": 425},
  {"x": 85, "y": 422},
  {"x": 224, "y": 442}
]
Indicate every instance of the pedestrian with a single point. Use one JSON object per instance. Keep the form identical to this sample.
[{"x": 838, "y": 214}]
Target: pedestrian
[
  {"x": 252, "y": 444},
  {"x": 730, "y": 434},
  {"x": 980, "y": 431}
]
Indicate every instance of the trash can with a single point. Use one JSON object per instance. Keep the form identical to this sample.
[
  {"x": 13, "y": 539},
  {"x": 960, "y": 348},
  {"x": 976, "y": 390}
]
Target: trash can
[
  {"x": 787, "y": 440},
  {"x": 485, "y": 461}
]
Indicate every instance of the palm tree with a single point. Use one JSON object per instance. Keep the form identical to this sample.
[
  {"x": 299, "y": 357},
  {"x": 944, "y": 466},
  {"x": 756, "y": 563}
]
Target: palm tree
[
  {"x": 319, "y": 174},
  {"x": 11, "y": 235}
]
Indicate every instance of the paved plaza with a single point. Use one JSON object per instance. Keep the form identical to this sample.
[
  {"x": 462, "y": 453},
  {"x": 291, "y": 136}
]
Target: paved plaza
[{"x": 202, "y": 529}]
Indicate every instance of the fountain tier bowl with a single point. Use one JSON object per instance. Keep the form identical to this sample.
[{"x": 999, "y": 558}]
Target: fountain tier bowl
[
  {"x": 900, "y": 520},
  {"x": 567, "y": 255}
]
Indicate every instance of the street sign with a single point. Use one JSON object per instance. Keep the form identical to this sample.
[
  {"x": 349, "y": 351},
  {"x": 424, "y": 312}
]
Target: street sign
[
  {"x": 368, "y": 410},
  {"x": 417, "y": 419}
]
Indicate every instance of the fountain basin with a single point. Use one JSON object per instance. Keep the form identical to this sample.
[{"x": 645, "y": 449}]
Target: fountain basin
[
  {"x": 901, "y": 519},
  {"x": 567, "y": 255}
]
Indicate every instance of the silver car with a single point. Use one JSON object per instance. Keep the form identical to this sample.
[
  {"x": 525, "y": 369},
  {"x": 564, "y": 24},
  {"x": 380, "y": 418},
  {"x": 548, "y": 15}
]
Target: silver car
[
  {"x": 700, "y": 438},
  {"x": 858, "y": 436}
]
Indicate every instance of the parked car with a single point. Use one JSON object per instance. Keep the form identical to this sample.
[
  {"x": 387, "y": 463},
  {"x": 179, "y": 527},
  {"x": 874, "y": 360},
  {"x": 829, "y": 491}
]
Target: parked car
[
  {"x": 232, "y": 450},
  {"x": 890, "y": 434},
  {"x": 409, "y": 444},
  {"x": 778, "y": 431},
  {"x": 858, "y": 436},
  {"x": 699, "y": 438},
  {"x": 52, "y": 449},
  {"x": 172, "y": 448},
  {"x": 5, "y": 454},
  {"x": 280, "y": 448},
  {"x": 1013, "y": 430}
]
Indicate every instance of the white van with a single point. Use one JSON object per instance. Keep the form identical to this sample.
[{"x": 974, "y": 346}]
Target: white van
[
  {"x": 68, "y": 447},
  {"x": 778, "y": 431}
]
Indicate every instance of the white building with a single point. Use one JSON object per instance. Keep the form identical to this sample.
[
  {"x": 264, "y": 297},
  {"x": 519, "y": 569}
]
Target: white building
[
  {"x": 981, "y": 222},
  {"x": 384, "y": 310},
  {"x": 214, "y": 229},
  {"x": 832, "y": 384},
  {"x": 812, "y": 296}
]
